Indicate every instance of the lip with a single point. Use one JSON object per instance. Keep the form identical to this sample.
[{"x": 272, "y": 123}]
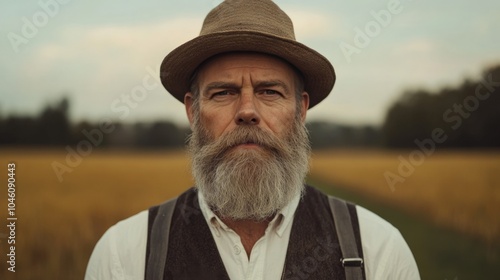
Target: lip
[{"x": 249, "y": 145}]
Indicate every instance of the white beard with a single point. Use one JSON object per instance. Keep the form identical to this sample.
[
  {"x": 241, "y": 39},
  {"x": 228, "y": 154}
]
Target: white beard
[{"x": 252, "y": 183}]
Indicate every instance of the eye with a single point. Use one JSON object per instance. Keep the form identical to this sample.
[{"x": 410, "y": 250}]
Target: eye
[
  {"x": 221, "y": 93},
  {"x": 270, "y": 92}
]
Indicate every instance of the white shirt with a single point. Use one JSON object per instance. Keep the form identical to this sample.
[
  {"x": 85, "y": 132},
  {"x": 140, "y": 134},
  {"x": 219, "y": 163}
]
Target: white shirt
[
  {"x": 120, "y": 254},
  {"x": 269, "y": 252}
]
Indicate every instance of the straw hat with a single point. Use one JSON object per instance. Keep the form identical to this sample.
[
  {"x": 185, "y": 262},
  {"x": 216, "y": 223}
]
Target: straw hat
[{"x": 247, "y": 25}]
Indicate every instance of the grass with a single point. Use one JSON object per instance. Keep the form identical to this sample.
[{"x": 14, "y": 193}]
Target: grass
[{"x": 60, "y": 222}]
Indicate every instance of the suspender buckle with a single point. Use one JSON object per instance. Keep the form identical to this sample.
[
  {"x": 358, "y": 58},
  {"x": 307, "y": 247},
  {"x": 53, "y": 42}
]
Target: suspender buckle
[{"x": 352, "y": 262}]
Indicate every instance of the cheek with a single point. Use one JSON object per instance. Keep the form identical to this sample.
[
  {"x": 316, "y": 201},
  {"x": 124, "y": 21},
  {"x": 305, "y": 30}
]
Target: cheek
[
  {"x": 215, "y": 121},
  {"x": 280, "y": 121}
]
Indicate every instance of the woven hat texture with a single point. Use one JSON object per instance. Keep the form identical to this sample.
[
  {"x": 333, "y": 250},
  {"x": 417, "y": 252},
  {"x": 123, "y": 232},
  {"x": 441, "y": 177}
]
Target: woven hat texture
[{"x": 250, "y": 26}]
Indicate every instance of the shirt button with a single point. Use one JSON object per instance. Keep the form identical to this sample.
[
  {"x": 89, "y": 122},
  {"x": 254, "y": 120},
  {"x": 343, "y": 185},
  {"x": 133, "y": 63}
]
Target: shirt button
[{"x": 237, "y": 249}]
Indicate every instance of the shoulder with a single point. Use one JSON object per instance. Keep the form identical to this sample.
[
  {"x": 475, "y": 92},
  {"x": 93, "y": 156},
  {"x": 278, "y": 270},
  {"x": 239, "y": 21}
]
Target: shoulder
[
  {"x": 121, "y": 251},
  {"x": 386, "y": 253},
  {"x": 371, "y": 221}
]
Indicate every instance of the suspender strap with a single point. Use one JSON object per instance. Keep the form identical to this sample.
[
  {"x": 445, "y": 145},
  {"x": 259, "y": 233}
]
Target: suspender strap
[
  {"x": 351, "y": 261},
  {"x": 159, "y": 241}
]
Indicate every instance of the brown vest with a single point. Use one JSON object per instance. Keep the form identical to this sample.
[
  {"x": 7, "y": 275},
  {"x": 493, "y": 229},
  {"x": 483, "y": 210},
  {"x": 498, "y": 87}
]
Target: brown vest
[{"x": 313, "y": 250}]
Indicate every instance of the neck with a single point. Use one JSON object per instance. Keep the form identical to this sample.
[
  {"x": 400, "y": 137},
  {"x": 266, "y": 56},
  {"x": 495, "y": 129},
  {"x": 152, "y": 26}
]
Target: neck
[{"x": 250, "y": 231}]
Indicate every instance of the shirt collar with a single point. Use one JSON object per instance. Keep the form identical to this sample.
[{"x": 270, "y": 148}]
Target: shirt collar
[{"x": 278, "y": 225}]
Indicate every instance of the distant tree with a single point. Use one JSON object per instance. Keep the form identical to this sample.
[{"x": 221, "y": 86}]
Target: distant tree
[
  {"x": 53, "y": 126},
  {"x": 16, "y": 130},
  {"x": 468, "y": 114},
  {"x": 408, "y": 119}
]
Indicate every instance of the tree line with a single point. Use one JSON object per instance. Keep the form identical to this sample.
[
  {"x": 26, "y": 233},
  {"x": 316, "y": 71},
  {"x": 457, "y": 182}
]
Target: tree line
[
  {"x": 465, "y": 116},
  {"x": 52, "y": 128}
]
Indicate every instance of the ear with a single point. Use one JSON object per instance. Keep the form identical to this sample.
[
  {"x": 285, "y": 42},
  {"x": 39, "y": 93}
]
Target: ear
[
  {"x": 305, "y": 105},
  {"x": 188, "y": 103}
]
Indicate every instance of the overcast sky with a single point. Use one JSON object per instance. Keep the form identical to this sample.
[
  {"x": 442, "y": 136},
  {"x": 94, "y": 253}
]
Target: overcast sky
[{"x": 99, "y": 53}]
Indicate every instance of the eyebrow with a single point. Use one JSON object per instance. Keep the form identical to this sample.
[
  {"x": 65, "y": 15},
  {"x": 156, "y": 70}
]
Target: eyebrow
[{"x": 262, "y": 84}]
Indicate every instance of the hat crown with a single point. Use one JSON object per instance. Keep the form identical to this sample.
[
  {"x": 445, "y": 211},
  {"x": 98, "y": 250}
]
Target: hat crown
[
  {"x": 261, "y": 16},
  {"x": 247, "y": 26}
]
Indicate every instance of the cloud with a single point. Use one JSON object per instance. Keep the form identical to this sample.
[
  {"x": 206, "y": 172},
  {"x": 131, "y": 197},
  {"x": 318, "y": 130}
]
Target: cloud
[
  {"x": 98, "y": 64},
  {"x": 112, "y": 46}
]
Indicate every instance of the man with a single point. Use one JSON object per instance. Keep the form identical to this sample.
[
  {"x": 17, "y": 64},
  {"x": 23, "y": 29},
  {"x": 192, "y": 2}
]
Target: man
[{"x": 247, "y": 85}]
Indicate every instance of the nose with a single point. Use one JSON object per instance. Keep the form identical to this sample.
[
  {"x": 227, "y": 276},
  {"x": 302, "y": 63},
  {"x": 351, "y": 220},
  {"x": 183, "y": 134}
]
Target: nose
[{"x": 247, "y": 113}]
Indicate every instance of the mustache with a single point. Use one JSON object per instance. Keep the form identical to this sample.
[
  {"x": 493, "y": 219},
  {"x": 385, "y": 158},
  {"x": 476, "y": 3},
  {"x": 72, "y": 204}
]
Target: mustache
[{"x": 244, "y": 135}]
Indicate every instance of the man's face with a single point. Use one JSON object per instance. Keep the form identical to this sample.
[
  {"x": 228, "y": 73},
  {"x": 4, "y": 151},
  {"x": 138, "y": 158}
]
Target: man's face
[
  {"x": 247, "y": 89},
  {"x": 249, "y": 145}
]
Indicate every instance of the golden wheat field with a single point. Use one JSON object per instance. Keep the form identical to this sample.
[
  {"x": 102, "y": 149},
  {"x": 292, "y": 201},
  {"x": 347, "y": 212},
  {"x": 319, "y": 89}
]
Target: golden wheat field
[
  {"x": 60, "y": 222},
  {"x": 460, "y": 190}
]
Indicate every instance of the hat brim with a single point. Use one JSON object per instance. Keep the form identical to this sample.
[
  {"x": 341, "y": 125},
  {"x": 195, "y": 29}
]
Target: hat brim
[{"x": 178, "y": 66}]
